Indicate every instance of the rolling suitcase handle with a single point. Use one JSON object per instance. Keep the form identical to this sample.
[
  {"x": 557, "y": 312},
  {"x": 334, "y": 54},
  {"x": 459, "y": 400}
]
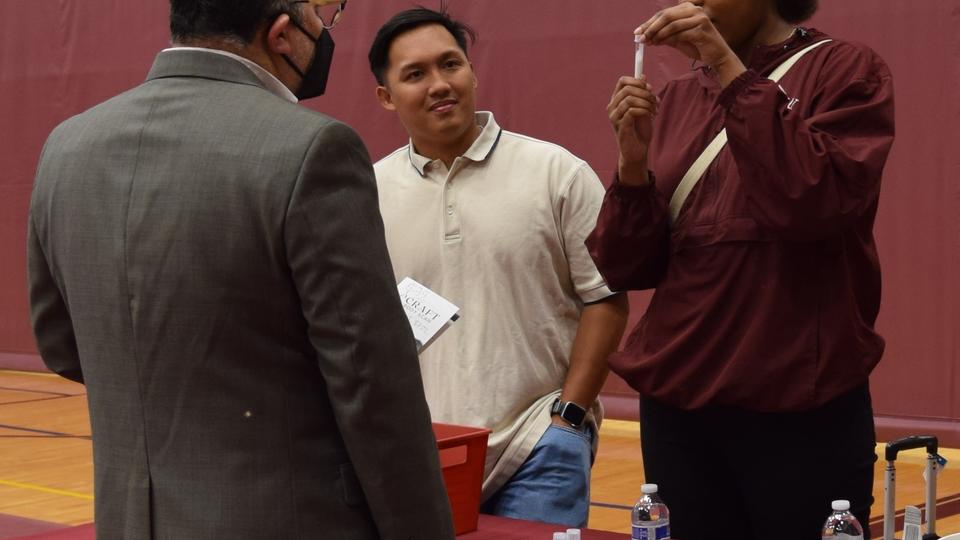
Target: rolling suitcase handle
[{"x": 889, "y": 512}]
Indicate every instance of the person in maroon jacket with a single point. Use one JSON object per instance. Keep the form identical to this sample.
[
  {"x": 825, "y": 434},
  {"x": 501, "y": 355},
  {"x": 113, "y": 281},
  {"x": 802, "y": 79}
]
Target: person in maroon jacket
[{"x": 753, "y": 358}]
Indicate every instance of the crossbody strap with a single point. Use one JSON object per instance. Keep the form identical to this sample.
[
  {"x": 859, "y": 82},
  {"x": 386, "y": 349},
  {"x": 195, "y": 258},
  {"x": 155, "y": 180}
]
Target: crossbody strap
[{"x": 713, "y": 149}]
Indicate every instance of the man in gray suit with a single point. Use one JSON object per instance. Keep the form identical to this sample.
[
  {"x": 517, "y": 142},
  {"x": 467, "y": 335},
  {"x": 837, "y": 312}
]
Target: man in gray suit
[{"x": 208, "y": 258}]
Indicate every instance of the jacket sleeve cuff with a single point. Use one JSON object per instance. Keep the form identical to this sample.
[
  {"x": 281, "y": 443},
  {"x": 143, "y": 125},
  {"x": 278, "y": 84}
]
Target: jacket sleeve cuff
[{"x": 623, "y": 191}]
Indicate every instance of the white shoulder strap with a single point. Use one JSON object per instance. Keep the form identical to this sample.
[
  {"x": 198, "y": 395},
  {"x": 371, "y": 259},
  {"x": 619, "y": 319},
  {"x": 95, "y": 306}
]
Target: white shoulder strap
[{"x": 713, "y": 149}]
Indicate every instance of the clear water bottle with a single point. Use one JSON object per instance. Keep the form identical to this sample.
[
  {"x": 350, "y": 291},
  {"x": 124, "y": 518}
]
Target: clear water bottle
[
  {"x": 842, "y": 525},
  {"x": 651, "y": 519}
]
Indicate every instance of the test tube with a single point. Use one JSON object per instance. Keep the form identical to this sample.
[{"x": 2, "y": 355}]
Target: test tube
[{"x": 637, "y": 57}]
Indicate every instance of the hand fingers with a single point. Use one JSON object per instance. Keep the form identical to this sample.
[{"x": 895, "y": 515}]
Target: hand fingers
[
  {"x": 632, "y": 94},
  {"x": 652, "y": 27},
  {"x": 633, "y": 101},
  {"x": 632, "y": 108},
  {"x": 643, "y": 27},
  {"x": 625, "y": 81},
  {"x": 679, "y": 29},
  {"x": 643, "y": 91}
]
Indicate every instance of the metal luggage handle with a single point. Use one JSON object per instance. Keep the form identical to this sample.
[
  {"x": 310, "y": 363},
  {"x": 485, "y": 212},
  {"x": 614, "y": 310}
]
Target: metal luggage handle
[
  {"x": 910, "y": 443},
  {"x": 893, "y": 448}
]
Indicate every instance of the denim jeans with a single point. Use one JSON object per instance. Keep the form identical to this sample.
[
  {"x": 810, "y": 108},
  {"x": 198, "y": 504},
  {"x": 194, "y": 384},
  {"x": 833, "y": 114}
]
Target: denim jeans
[{"x": 553, "y": 484}]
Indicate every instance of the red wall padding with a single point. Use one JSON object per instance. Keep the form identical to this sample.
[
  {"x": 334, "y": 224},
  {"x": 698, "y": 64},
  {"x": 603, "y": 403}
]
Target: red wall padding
[{"x": 546, "y": 68}]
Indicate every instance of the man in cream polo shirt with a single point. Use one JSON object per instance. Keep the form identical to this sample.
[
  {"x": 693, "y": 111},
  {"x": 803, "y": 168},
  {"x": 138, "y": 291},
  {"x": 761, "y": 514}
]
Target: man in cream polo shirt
[{"x": 495, "y": 222}]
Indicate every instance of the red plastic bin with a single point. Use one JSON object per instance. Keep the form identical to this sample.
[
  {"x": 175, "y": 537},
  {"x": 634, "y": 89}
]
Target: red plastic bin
[{"x": 463, "y": 451}]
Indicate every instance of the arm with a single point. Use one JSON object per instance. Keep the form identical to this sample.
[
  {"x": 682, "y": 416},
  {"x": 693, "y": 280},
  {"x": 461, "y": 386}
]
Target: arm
[
  {"x": 821, "y": 170},
  {"x": 604, "y": 316},
  {"x": 821, "y": 162},
  {"x": 630, "y": 241},
  {"x": 52, "y": 325},
  {"x": 365, "y": 349},
  {"x": 601, "y": 326}
]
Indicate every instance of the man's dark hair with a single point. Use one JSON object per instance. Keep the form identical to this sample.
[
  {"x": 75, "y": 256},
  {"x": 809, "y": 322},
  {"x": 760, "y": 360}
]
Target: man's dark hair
[
  {"x": 406, "y": 21},
  {"x": 796, "y": 11},
  {"x": 232, "y": 19}
]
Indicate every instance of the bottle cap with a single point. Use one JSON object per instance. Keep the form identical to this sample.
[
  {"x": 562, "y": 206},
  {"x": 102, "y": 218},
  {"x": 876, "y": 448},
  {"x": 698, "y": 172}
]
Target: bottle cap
[
  {"x": 559, "y": 536},
  {"x": 647, "y": 489},
  {"x": 573, "y": 534},
  {"x": 841, "y": 505}
]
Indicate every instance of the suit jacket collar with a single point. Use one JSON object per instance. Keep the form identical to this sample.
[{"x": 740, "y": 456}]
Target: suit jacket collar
[{"x": 201, "y": 64}]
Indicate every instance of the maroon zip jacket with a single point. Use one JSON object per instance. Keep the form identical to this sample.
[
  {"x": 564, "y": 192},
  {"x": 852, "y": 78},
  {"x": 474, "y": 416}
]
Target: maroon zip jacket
[{"x": 768, "y": 285}]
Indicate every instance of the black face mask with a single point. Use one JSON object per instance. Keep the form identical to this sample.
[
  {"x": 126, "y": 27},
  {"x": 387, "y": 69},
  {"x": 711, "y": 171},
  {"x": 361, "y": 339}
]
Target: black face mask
[{"x": 313, "y": 82}]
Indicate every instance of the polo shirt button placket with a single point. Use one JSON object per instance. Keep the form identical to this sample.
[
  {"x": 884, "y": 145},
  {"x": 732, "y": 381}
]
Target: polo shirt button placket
[{"x": 452, "y": 224}]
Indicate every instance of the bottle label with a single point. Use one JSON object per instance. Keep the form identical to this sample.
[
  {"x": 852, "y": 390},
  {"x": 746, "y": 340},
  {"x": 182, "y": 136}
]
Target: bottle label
[{"x": 657, "y": 532}]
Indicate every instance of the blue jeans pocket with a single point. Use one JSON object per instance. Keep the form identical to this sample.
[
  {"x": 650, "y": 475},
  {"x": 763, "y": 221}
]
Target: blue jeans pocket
[
  {"x": 573, "y": 431},
  {"x": 553, "y": 484}
]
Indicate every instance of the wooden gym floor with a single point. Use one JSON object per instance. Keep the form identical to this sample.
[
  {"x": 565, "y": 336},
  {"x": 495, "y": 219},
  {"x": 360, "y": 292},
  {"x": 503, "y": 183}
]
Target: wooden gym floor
[{"x": 46, "y": 473}]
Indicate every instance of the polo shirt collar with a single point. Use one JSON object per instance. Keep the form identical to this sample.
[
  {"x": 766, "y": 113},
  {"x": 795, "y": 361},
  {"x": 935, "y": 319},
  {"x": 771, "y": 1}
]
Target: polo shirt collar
[
  {"x": 419, "y": 162},
  {"x": 487, "y": 141},
  {"x": 479, "y": 151}
]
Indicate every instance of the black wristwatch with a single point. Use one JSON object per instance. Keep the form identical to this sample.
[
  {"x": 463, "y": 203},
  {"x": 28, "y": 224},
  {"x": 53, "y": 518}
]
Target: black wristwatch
[{"x": 569, "y": 411}]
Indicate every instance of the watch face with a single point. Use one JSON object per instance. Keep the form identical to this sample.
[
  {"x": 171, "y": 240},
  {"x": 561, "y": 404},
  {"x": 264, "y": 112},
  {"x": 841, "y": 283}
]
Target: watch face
[
  {"x": 569, "y": 411},
  {"x": 573, "y": 413}
]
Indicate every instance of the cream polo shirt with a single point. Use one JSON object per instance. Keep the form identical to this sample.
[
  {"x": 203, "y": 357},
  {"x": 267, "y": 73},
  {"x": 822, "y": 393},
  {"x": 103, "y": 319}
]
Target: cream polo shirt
[{"x": 501, "y": 234}]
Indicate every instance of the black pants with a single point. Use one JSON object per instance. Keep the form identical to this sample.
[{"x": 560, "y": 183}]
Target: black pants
[{"x": 731, "y": 474}]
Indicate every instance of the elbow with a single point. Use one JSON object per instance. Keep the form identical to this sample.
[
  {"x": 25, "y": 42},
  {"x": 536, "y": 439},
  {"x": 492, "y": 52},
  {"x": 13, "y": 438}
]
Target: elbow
[
  {"x": 631, "y": 262},
  {"x": 633, "y": 277},
  {"x": 615, "y": 265},
  {"x": 633, "y": 272},
  {"x": 618, "y": 283},
  {"x": 617, "y": 280}
]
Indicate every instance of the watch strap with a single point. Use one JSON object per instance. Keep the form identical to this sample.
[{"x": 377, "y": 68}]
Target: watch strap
[{"x": 572, "y": 413}]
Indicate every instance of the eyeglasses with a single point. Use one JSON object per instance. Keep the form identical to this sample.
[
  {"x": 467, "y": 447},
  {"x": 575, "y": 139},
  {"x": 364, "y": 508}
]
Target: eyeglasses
[{"x": 329, "y": 11}]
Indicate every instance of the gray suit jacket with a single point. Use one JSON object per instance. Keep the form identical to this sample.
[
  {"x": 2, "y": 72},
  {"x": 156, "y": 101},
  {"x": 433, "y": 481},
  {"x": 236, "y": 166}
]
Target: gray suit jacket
[{"x": 209, "y": 260}]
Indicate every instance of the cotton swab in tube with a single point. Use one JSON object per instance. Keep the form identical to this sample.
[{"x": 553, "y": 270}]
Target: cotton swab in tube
[{"x": 638, "y": 57}]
